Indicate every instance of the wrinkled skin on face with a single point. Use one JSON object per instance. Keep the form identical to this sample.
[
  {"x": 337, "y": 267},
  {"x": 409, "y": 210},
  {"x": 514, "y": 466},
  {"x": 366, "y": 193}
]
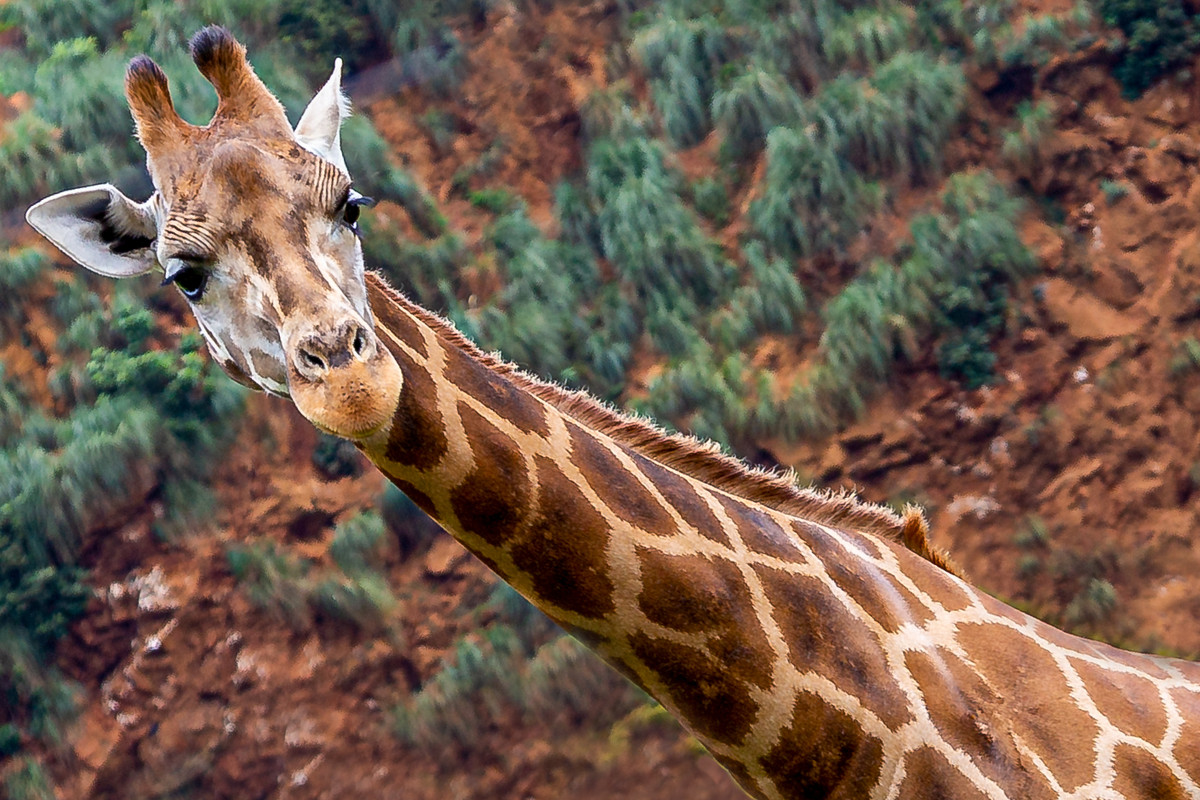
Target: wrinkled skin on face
[{"x": 255, "y": 224}]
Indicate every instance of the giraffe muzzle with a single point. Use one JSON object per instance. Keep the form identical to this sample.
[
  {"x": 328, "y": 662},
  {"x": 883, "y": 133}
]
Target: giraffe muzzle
[
  {"x": 342, "y": 380},
  {"x": 319, "y": 353}
]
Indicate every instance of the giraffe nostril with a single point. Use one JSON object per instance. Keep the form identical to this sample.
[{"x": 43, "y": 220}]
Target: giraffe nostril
[
  {"x": 360, "y": 342},
  {"x": 311, "y": 361}
]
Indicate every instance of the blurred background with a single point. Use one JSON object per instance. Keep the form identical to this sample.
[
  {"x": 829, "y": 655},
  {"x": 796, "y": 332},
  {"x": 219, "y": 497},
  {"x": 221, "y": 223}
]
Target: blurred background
[{"x": 940, "y": 251}]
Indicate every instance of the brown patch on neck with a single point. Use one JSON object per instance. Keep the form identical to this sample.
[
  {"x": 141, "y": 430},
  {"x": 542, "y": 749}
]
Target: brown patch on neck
[{"x": 702, "y": 461}]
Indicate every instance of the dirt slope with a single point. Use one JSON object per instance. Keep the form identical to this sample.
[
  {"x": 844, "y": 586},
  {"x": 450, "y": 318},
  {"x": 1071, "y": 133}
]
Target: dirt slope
[{"x": 1079, "y": 466}]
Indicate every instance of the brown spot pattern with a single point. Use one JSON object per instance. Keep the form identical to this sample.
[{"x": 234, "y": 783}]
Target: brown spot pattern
[
  {"x": 390, "y": 316},
  {"x": 617, "y": 489},
  {"x": 929, "y": 776},
  {"x": 1141, "y": 774},
  {"x": 416, "y": 495},
  {"x": 417, "y": 438},
  {"x": 695, "y": 594},
  {"x": 1042, "y": 711},
  {"x": 823, "y": 637},
  {"x": 564, "y": 551},
  {"x": 716, "y": 704},
  {"x": 824, "y": 753},
  {"x": 964, "y": 709},
  {"x": 888, "y": 603},
  {"x": 497, "y": 393},
  {"x": 494, "y": 498},
  {"x": 677, "y": 491},
  {"x": 1132, "y": 700},
  {"x": 1187, "y": 749},
  {"x": 758, "y": 530}
]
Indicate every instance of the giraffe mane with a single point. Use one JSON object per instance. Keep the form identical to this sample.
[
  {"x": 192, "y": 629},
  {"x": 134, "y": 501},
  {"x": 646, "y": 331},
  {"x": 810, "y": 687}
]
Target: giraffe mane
[{"x": 698, "y": 459}]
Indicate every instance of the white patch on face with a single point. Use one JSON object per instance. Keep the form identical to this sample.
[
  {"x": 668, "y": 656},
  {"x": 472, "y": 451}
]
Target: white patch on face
[
  {"x": 344, "y": 276},
  {"x": 216, "y": 346}
]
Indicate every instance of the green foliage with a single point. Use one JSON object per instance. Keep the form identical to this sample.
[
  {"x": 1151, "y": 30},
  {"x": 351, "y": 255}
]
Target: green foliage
[
  {"x": 898, "y": 120},
  {"x": 1113, "y": 191},
  {"x": 682, "y": 58},
  {"x": 813, "y": 200},
  {"x": 294, "y": 591},
  {"x": 18, "y": 270},
  {"x": 1022, "y": 145},
  {"x": 867, "y": 36},
  {"x": 357, "y": 543},
  {"x": 451, "y": 711},
  {"x": 1185, "y": 359},
  {"x": 27, "y": 781},
  {"x": 272, "y": 580},
  {"x": 1093, "y": 606},
  {"x": 1160, "y": 36},
  {"x": 711, "y": 200},
  {"x": 564, "y": 678},
  {"x": 410, "y": 528},
  {"x": 749, "y": 105},
  {"x": 10, "y": 740},
  {"x": 950, "y": 279},
  {"x": 369, "y": 160},
  {"x": 335, "y": 457},
  {"x": 488, "y": 675}
]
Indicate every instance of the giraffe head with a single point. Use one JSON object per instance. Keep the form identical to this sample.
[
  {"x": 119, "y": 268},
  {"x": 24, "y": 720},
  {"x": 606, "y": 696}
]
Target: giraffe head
[{"x": 255, "y": 223}]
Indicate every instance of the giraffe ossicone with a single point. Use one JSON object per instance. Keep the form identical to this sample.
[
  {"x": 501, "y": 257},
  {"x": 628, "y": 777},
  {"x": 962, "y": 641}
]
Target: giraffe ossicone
[{"x": 819, "y": 647}]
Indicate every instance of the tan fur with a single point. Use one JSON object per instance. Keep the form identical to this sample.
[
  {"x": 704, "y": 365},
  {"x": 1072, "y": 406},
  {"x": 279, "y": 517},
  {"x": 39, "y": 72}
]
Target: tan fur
[
  {"x": 703, "y": 461},
  {"x": 242, "y": 99},
  {"x": 159, "y": 128}
]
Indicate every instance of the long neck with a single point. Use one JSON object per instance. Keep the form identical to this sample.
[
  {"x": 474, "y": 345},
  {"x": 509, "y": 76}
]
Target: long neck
[{"x": 811, "y": 661}]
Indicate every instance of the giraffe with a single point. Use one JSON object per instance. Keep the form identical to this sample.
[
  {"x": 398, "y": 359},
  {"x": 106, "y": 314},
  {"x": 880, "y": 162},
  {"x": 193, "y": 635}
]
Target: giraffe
[{"x": 818, "y": 646}]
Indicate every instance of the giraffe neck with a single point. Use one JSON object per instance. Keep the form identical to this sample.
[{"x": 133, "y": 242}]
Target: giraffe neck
[{"x": 811, "y": 660}]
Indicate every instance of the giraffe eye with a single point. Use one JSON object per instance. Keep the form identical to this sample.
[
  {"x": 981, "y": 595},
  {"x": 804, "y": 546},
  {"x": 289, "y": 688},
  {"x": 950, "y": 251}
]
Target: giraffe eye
[
  {"x": 191, "y": 280},
  {"x": 352, "y": 209}
]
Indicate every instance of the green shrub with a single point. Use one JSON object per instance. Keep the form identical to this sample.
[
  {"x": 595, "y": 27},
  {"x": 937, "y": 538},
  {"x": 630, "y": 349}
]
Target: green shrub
[
  {"x": 564, "y": 678},
  {"x": 813, "y": 200},
  {"x": 357, "y": 542},
  {"x": 749, "y": 105},
  {"x": 711, "y": 200},
  {"x": 408, "y": 524},
  {"x": 867, "y": 36},
  {"x": 10, "y": 740},
  {"x": 682, "y": 58},
  {"x": 1160, "y": 36},
  {"x": 1022, "y": 145},
  {"x": 27, "y": 781},
  {"x": 369, "y": 160},
  {"x": 363, "y": 600},
  {"x": 335, "y": 457},
  {"x": 452, "y": 710},
  {"x": 652, "y": 239},
  {"x": 274, "y": 581},
  {"x": 1093, "y": 606}
]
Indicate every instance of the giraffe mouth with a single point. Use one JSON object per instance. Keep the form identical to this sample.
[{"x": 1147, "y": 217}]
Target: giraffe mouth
[{"x": 355, "y": 400}]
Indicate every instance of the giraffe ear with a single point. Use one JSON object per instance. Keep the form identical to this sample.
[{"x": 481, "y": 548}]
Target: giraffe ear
[
  {"x": 320, "y": 126},
  {"x": 100, "y": 228}
]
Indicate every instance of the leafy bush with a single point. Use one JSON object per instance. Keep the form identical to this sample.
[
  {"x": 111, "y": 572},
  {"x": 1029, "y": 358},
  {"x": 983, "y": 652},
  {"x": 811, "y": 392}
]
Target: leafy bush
[
  {"x": 813, "y": 200},
  {"x": 335, "y": 457},
  {"x": 682, "y": 58},
  {"x": 357, "y": 542},
  {"x": 1160, "y": 36},
  {"x": 867, "y": 36},
  {"x": 409, "y": 525},
  {"x": 27, "y": 781},
  {"x": 749, "y": 105},
  {"x": 273, "y": 580}
]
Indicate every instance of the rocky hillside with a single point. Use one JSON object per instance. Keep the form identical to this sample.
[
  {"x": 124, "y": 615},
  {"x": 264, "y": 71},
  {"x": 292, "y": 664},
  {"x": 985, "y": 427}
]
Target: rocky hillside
[{"x": 298, "y": 631}]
